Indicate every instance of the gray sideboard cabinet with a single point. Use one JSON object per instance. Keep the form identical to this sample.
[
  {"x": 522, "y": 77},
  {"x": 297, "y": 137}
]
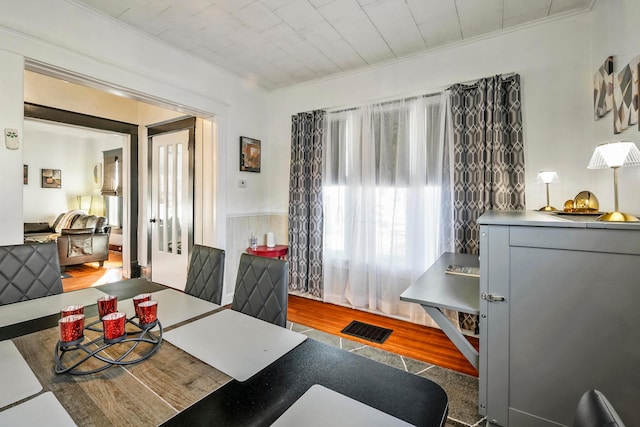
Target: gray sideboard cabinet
[{"x": 559, "y": 314}]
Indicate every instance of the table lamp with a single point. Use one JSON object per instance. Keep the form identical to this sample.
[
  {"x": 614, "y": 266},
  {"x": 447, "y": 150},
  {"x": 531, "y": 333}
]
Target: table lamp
[
  {"x": 547, "y": 177},
  {"x": 615, "y": 155}
]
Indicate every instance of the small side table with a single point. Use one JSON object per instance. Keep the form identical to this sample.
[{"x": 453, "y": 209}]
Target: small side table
[
  {"x": 278, "y": 251},
  {"x": 435, "y": 290}
]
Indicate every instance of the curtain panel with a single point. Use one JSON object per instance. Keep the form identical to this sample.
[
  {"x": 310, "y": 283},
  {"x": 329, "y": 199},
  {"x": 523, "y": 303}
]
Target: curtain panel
[
  {"x": 305, "y": 203},
  {"x": 387, "y": 202},
  {"x": 489, "y": 154}
]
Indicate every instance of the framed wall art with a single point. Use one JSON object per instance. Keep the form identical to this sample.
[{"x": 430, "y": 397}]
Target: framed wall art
[
  {"x": 625, "y": 96},
  {"x": 51, "y": 178},
  {"x": 603, "y": 89},
  {"x": 249, "y": 154}
]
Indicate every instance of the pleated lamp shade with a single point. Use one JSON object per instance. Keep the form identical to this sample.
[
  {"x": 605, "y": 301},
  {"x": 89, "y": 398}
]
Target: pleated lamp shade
[{"x": 615, "y": 155}]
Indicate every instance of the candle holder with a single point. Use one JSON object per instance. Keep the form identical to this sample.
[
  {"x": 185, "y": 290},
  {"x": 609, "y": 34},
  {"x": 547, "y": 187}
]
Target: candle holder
[
  {"x": 107, "y": 304},
  {"x": 137, "y": 300},
  {"x": 71, "y": 329},
  {"x": 82, "y": 352},
  {"x": 147, "y": 312},
  {"x": 72, "y": 309},
  {"x": 114, "y": 326}
]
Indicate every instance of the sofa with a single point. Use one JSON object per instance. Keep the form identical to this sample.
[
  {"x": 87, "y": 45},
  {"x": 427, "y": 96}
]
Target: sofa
[{"x": 80, "y": 237}]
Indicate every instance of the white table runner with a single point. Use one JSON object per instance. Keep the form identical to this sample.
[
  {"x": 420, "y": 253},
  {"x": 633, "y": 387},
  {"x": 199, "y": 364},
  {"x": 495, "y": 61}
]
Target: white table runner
[
  {"x": 40, "y": 307},
  {"x": 18, "y": 380},
  {"x": 173, "y": 306},
  {"x": 43, "y": 410},
  {"x": 237, "y": 344},
  {"x": 320, "y": 407}
]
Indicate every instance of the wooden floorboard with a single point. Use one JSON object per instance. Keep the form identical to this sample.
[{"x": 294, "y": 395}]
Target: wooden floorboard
[{"x": 408, "y": 339}]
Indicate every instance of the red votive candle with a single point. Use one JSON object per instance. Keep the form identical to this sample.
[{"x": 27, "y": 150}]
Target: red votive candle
[
  {"x": 71, "y": 327},
  {"x": 138, "y": 299},
  {"x": 107, "y": 304},
  {"x": 148, "y": 311},
  {"x": 113, "y": 325},
  {"x": 72, "y": 309}
]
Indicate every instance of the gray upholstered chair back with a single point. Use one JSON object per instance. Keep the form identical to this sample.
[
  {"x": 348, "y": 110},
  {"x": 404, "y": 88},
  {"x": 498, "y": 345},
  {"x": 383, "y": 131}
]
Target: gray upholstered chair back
[
  {"x": 262, "y": 288},
  {"x": 206, "y": 273},
  {"x": 595, "y": 410},
  {"x": 29, "y": 271}
]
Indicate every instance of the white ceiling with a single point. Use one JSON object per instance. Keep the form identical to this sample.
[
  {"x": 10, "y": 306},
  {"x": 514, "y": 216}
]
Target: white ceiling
[{"x": 278, "y": 43}]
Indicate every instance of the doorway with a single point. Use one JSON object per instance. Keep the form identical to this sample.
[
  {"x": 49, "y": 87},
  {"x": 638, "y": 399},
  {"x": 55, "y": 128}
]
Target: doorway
[
  {"x": 171, "y": 151},
  {"x": 47, "y": 84},
  {"x": 130, "y": 266}
]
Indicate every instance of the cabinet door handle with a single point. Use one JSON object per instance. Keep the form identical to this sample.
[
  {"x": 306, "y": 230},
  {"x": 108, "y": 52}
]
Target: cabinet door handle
[{"x": 491, "y": 298}]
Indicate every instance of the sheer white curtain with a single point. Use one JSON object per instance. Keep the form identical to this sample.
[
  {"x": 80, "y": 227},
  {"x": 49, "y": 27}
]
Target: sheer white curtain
[{"x": 387, "y": 201}]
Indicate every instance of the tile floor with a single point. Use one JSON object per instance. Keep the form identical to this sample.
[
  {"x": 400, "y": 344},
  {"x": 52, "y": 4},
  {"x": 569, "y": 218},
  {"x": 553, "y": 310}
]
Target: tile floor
[{"x": 462, "y": 389}]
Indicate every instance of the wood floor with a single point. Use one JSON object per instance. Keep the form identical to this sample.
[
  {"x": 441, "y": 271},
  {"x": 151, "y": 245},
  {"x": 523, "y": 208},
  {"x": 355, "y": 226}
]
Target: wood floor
[
  {"x": 91, "y": 274},
  {"x": 407, "y": 339}
]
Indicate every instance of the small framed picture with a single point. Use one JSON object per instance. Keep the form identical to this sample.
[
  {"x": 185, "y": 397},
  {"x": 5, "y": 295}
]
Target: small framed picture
[
  {"x": 51, "y": 178},
  {"x": 249, "y": 154},
  {"x": 25, "y": 174}
]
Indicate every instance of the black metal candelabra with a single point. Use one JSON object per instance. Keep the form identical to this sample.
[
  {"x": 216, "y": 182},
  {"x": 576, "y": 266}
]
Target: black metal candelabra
[{"x": 95, "y": 349}]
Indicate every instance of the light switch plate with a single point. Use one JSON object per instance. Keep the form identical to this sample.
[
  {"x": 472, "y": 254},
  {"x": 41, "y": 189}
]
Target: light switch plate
[{"x": 11, "y": 139}]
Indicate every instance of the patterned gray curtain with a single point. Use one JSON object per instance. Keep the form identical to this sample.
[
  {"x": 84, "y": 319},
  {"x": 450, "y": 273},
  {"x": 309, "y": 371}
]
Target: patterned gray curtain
[
  {"x": 488, "y": 154},
  {"x": 305, "y": 203}
]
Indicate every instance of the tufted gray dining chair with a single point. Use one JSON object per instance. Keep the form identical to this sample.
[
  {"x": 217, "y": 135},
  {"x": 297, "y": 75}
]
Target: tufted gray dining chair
[
  {"x": 595, "y": 410},
  {"x": 262, "y": 288},
  {"x": 206, "y": 273},
  {"x": 28, "y": 271}
]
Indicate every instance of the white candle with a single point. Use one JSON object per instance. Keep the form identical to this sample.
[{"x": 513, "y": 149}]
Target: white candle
[{"x": 271, "y": 240}]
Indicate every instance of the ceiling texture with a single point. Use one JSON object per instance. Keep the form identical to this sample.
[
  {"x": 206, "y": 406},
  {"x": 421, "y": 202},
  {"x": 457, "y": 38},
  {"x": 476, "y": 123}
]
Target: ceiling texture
[{"x": 278, "y": 43}]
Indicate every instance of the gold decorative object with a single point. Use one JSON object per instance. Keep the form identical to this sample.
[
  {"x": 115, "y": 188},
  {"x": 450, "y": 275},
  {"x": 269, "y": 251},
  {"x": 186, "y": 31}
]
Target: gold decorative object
[
  {"x": 615, "y": 155},
  {"x": 586, "y": 201},
  {"x": 547, "y": 177},
  {"x": 568, "y": 205}
]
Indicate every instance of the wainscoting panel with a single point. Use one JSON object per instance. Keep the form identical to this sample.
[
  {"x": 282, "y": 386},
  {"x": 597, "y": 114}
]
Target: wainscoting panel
[{"x": 239, "y": 230}]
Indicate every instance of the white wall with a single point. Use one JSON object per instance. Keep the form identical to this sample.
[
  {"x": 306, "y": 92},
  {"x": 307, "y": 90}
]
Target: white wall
[
  {"x": 556, "y": 69},
  {"x": 74, "y": 153},
  {"x": 11, "y": 111},
  {"x": 615, "y": 32},
  {"x": 57, "y": 35}
]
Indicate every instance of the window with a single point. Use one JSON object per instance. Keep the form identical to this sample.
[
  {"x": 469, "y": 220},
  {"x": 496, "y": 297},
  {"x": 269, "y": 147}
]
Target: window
[
  {"x": 387, "y": 199},
  {"x": 112, "y": 186}
]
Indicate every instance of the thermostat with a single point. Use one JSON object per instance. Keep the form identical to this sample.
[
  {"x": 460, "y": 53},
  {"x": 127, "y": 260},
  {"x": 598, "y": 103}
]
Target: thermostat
[{"x": 11, "y": 139}]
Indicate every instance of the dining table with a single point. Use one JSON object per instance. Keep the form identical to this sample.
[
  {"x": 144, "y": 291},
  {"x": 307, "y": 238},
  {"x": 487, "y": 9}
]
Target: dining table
[{"x": 212, "y": 366}]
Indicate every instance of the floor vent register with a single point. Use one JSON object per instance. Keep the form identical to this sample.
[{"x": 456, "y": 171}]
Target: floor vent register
[{"x": 367, "y": 332}]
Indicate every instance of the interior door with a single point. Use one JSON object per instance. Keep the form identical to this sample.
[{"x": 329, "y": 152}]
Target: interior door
[{"x": 171, "y": 214}]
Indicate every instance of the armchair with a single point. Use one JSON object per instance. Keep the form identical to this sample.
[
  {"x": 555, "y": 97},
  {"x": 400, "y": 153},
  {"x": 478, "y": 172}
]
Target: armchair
[{"x": 86, "y": 240}]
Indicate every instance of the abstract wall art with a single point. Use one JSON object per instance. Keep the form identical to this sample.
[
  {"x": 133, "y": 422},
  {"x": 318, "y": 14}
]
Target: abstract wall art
[
  {"x": 603, "y": 89},
  {"x": 250, "y": 154},
  {"x": 625, "y": 96}
]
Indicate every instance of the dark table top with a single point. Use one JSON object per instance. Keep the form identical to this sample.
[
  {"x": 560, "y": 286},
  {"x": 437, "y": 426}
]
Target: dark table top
[{"x": 266, "y": 395}]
